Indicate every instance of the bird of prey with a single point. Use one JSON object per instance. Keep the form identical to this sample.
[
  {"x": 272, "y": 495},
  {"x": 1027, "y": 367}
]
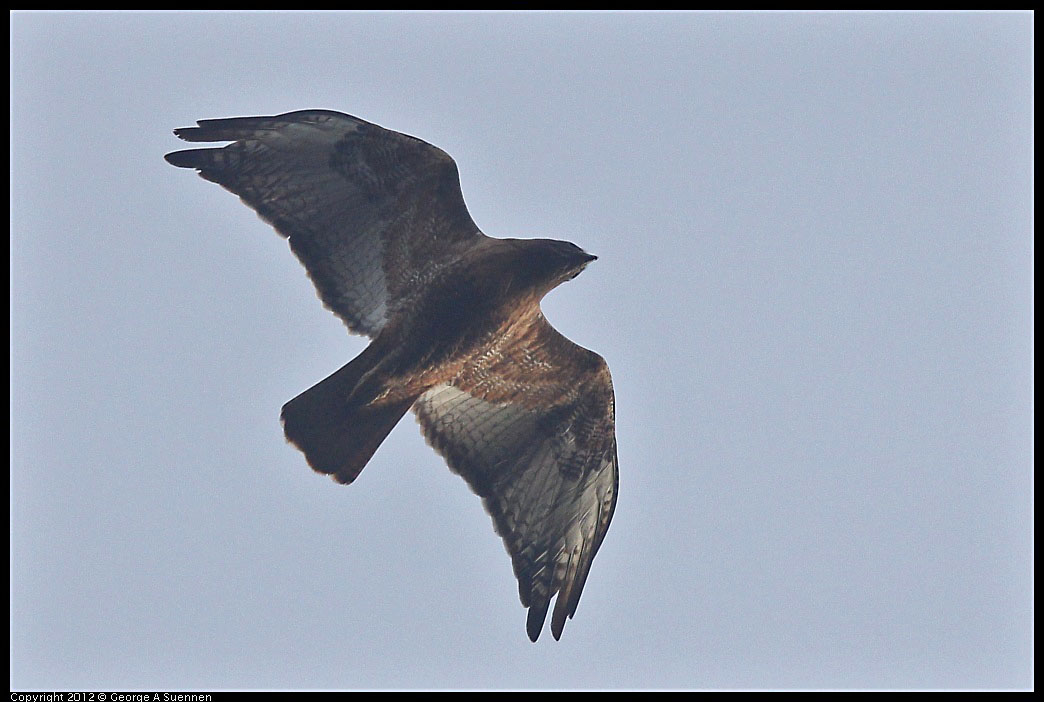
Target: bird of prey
[{"x": 524, "y": 415}]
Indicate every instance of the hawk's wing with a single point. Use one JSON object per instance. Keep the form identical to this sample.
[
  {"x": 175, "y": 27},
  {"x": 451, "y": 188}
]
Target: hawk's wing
[
  {"x": 530, "y": 427},
  {"x": 372, "y": 214}
]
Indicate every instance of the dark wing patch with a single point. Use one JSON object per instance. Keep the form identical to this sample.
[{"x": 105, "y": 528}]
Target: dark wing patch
[
  {"x": 372, "y": 214},
  {"x": 530, "y": 427}
]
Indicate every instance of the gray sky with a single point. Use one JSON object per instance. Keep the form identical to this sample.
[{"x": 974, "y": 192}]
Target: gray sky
[{"x": 814, "y": 291}]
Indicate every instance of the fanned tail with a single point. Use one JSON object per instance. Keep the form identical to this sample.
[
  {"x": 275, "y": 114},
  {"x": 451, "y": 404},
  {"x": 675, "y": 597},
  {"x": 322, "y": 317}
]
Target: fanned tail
[{"x": 337, "y": 436}]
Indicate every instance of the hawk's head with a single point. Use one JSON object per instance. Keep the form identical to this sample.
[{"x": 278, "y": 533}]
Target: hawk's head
[{"x": 548, "y": 262}]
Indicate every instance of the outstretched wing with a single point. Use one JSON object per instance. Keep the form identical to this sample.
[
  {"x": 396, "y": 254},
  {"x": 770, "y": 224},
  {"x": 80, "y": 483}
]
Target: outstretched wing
[
  {"x": 530, "y": 427},
  {"x": 371, "y": 213}
]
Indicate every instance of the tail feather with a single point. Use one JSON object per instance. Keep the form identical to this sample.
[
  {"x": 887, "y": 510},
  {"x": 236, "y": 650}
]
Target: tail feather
[{"x": 339, "y": 437}]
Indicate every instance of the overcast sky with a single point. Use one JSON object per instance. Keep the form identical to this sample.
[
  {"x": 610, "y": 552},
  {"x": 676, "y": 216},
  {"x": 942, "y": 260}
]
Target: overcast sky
[{"x": 814, "y": 292}]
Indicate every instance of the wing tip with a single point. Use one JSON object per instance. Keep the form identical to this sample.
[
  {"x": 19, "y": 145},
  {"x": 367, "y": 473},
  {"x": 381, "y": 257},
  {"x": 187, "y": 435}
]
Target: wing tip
[
  {"x": 535, "y": 620},
  {"x": 537, "y": 617},
  {"x": 174, "y": 158},
  {"x": 236, "y": 128}
]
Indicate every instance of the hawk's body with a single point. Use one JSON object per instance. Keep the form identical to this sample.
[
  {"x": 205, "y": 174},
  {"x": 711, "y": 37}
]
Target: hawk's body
[{"x": 520, "y": 412}]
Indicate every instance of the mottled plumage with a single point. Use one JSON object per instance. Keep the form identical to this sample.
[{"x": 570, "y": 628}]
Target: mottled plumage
[{"x": 524, "y": 415}]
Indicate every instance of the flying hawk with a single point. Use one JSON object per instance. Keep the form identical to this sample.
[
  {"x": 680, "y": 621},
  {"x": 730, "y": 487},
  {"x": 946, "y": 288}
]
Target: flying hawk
[{"x": 524, "y": 415}]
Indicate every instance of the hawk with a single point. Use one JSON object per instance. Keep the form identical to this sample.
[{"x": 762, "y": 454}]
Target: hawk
[{"x": 519, "y": 411}]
